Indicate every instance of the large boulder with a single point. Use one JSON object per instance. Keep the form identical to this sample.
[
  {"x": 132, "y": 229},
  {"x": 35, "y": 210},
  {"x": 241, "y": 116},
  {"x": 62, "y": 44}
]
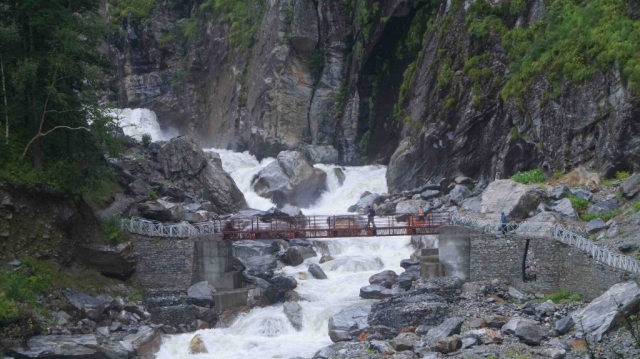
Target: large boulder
[
  {"x": 385, "y": 279},
  {"x": 146, "y": 341},
  {"x": 201, "y": 294},
  {"x": 119, "y": 207},
  {"x": 88, "y": 306},
  {"x": 375, "y": 291},
  {"x": 345, "y": 320},
  {"x": 515, "y": 199},
  {"x": 411, "y": 206},
  {"x": 181, "y": 157},
  {"x": 565, "y": 208},
  {"x": 558, "y": 192},
  {"x": 176, "y": 210},
  {"x": 404, "y": 341},
  {"x": 117, "y": 261},
  {"x": 282, "y": 284},
  {"x": 606, "y": 311},
  {"x": 449, "y": 327},
  {"x": 317, "y": 272},
  {"x": 260, "y": 266},
  {"x": 370, "y": 199},
  {"x": 249, "y": 248},
  {"x": 409, "y": 310},
  {"x": 295, "y": 256},
  {"x": 604, "y": 206},
  {"x": 291, "y": 179},
  {"x": 631, "y": 186},
  {"x": 155, "y": 211},
  {"x": 527, "y": 330},
  {"x": 293, "y": 311},
  {"x": 458, "y": 194},
  {"x": 61, "y": 346},
  {"x": 322, "y": 154}
]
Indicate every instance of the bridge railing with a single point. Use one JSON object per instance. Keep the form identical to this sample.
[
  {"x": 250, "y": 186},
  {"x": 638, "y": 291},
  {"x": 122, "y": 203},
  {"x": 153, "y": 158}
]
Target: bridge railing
[
  {"x": 151, "y": 228},
  {"x": 571, "y": 235}
]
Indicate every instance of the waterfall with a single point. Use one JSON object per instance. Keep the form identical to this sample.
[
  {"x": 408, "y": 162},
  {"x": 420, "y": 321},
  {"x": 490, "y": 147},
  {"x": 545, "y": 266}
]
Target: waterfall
[
  {"x": 139, "y": 121},
  {"x": 265, "y": 333}
]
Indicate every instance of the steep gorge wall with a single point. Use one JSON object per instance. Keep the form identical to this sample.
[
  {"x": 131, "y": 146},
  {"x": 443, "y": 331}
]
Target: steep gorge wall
[{"x": 417, "y": 84}]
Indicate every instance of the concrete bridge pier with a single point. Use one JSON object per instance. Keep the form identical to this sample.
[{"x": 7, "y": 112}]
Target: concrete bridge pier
[
  {"x": 212, "y": 259},
  {"x": 454, "y": 251}
]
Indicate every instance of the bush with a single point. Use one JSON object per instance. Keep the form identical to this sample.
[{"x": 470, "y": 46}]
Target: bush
[
  {"x": 151, "y": 193},
  {"x": 636, "y": 206},
  {"x": 562, "y": 296},
  {"x": 604, "y": 216},
  {"x": 578, "y": 203},
  {"x": 112, "y": 231},
  {"x": 529, "y": 177},
  {"x": 558, "y": 174},
  {"x": 622, "y": 175},
  {"x": 146, "y": 140}
]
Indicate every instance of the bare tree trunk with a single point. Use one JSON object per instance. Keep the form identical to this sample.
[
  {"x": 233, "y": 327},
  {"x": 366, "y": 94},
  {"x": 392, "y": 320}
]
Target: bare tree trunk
[{"x": 6, "y": 108}]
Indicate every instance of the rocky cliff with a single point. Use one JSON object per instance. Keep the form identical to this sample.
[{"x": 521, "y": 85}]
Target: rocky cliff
[{"x": 434, "y": 88}]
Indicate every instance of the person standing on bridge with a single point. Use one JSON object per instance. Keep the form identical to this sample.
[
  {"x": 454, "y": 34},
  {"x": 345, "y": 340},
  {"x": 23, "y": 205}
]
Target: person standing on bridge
[
  {"x": 420, "y": 214},
  {"x": 371, "y": 213}
]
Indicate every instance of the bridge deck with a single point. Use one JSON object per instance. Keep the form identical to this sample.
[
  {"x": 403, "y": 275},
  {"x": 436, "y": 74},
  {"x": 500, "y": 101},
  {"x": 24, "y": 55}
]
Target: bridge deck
[{"x": 255, "y": 228}]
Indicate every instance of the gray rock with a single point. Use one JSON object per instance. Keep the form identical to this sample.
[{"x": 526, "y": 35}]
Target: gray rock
[
  {"x": 88, "y": 306},
  {"x": 146, "y": 341},
  {"x": 60, "y": 346},
  {"x": 526, "y": 330},
  {"x": 329, "y": 351},
  {"x": 411, "y": 206},
  {"x": 339, "y": 173},
  {"x": 300, "y": 243},
  {"x": 404, "y": 341},
  {"x": 120, "y": 205},
  {"x": 515, "y": 199},
  {"x": 603, "y": 313},
  {"x": 260, "y": 266},
  {"x": 410, "y": 275},
  {"x": 631, "y": 186},
  {"x": 343, "y": 321},
  {"x": 447, "y": 345},
  {"x": 564, "y": 325},
  {"x": 139, "y": 187},
  {"x": 410, "y": 309},
  {"x": 322, "y": 154},
  {"x": 295, "y": 256},
  {"x": 514, "y": 293},
  {"x": 380, "y": 346},
  {"x": 375, "y": 291},
  {"x": 291, "y": 179},
  {"x": 558, "y": 192},
  {"x": 370, "y": 199},
  {"x": 293, "y": 311},
  {"x": 386, "y": 278},
  {"x": 406, "y": 263},
  {"x": 459, "y": 194},
  {"x": 201, "y": 294},
  {"x": 282, "y": 285},
  {"x": 495, "y": 321},
  {"x": 604, "y": 206},
  {"x": 181, "y": 157},
  {"x": 291, "y": 211},
  {"x": 251, "y": 248},
  {"x": 554, "y": 353},
  {"x": 429, "y": 194},
  {"x": 176, "y": 210},
  {"x": 485, "y": 336},
  {"x": 565, "y": 208},
  {"x": 155, "y": 211},
  {"x": 448, "y": 328},
  {"x": 317, "y": 272},
  {"x": 469, "y": 342},
  {"x": 595, "y": 225},
  {"x": 118, "y": 261},
  {"x": 104, "y": 331},
  {"x": 579, "y": 192},
  {"x": 627, "y": 247}
]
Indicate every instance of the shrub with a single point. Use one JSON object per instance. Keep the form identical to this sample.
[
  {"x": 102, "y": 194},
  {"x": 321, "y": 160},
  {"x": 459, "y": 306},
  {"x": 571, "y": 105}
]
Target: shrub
[
  {"x": 604, "y": 216},
  {"x": 558, "y": 174},
  {"x": 636, "y": 206},
  {"x": 528, "y": 177},
  {"x": 151, "y": 193},
  {"x": 622, "y": 175},
  {"x": 112, "y": 231},
  {"x": 562, "y": 296},
  {"x": 146, "y": 140},
  {"x": 578, "y": 203}
]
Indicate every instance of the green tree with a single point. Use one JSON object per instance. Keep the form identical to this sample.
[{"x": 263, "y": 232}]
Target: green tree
[{"x": 53, "y": 79}]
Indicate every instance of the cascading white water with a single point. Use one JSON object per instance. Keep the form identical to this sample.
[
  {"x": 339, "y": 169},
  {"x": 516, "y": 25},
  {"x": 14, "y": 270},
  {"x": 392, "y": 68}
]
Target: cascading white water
[
  {"x": 266, "y": 333},
  {"x": 139, "y": 121}
]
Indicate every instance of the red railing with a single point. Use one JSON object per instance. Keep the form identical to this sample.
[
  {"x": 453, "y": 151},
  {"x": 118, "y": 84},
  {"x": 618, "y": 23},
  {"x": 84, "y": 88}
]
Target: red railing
[{"x": 336, "y": 226}]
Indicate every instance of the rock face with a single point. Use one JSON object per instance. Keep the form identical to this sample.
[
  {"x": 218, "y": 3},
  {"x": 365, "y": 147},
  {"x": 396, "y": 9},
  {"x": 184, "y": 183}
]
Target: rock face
[
  {"x": 291, "y": 179},
  {"x": 603, "y": 313},
  {"x": 515, "y": 199}
]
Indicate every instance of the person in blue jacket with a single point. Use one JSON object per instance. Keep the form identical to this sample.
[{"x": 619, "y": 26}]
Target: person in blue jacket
[{"x": 503, "y": 221}]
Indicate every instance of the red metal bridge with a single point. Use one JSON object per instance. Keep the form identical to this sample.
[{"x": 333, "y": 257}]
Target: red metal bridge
[{"x": 332, "y": 226}]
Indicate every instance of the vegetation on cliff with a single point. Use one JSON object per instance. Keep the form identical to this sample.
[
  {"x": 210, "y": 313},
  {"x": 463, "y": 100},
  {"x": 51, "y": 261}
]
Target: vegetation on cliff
[{"x": 53, "y": 80}]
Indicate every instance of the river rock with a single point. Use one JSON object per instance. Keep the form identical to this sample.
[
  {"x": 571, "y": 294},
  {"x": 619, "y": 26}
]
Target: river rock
[
  {"x": 295, "y": 256},
  {"x": 375, "y": 291},
  {"x": 526, "y": 330},
  {"x": 290, "y": 179},
  {"x": 404, "y": 341},
  {"x": 283, "y": 284},
  {"x": 201, "y": 294},
  {"x": 385, "y": 279},
  {"x": 603, "y": 313},
  {"x": 118, "y": 261},
  {"x": 293, "y": 311},
  {"x": 409, "y": 310},
  {"x": 260, "y": 266},
  {"x": 339, "y": 173},
  {"x": 317, "y": 272},
  {"x": 196, "y": 345},
  {"x": 515, "y": 199},
  {"x": 449, "y": 327},
  {"x": 322, "y": 154},
  {"x": 346, "y": 319},
  {"x": 146, "y": 341},
  {"x": 410, "y": 275},
  {"x": 61, "y": 346},
  {"x": 631, "y": 186},
  {"x": 406, "y": 263}
]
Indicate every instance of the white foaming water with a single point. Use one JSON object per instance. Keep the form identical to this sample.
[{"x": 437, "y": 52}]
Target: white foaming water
[
  {"x": 139, "y": 121},
  {"x": 266, "y": 333}
]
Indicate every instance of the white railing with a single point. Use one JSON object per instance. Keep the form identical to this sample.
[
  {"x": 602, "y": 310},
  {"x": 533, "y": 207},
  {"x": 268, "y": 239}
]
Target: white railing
[
  {"x": 564, "y": 234},
  {"x": 149, "y": 228}
]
